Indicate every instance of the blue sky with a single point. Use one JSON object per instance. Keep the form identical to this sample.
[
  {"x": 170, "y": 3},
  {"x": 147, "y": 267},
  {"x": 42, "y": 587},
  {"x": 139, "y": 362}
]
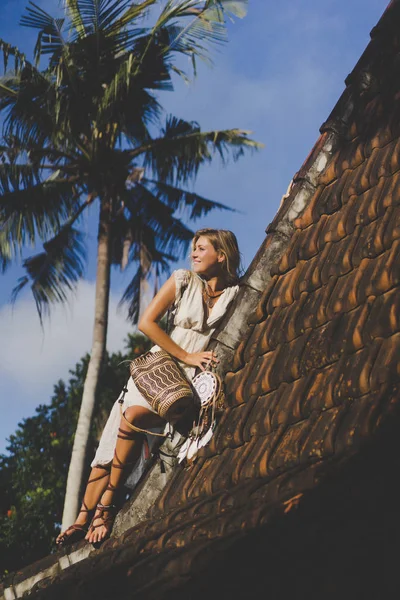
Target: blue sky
[{"x": 280, "y": 76}]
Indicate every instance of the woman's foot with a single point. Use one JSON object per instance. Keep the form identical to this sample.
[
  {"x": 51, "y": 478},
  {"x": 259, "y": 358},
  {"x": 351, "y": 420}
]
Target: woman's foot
[
  {"x": 102, "y": 523},
  {"x": 78, "y": 530},
  {"x": 95, "y": 487}
]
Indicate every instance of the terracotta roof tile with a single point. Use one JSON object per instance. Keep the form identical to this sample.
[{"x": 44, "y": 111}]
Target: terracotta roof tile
[
  {"x": 348, "y": 330},
  {"x": 330, "y": 199},
  {"x": 257, "y": 463},
  {"x": 308, "y": 217},
  {"x": 321, "y": 440},
  {"x": 360, "y": 419},
  {"x": 308, "y": 245},
  {"x": 350, "y": 157},
  {"x": 237, "y": 386},
  {"x": 287, "y": 453},
  {"x": 385, "y": 272},
  {"x": 260, "y": 311},
  {"x": 333, "y": 229},
  {"x": 291, "y": 320},
  {"x": 381, "y": 138},
  {"x": 392, "y": 231},
  {"x": 259, "y": 420},
  {"x": 384, "y": 317},
  {"x": 319, "y": 394},
  {"x": 272, "y": 334},
  {"x": 233, "y": 434},
  {"x": 390, "y": 194},
  {"x": 290, "y": 257},
  {"x": 368, "y": 207},
  {"x": 316, "y": 305},
  {"x": 387, "y": 363},
  {"x": 340, "y": 258}
]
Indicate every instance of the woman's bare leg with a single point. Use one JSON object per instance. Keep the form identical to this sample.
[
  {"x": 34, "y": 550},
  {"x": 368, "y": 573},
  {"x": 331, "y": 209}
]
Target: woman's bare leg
[
  {"x": 127, "y": 451},
  {"x": 97, "y": 483}
]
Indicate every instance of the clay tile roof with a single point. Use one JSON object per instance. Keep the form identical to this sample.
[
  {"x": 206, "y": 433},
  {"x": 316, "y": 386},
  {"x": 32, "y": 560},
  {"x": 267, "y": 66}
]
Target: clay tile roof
[{"x": 318, "y": 372}]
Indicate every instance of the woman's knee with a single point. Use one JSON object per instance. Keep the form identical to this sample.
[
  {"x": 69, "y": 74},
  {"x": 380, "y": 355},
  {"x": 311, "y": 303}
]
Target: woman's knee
[
  {"x": 132, "y": 414},
  {"x": 141, "y": 417}
]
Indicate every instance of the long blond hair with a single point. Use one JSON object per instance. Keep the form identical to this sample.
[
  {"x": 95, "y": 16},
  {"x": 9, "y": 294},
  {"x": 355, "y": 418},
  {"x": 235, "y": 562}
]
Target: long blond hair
[{"x": 225, "y": 242}]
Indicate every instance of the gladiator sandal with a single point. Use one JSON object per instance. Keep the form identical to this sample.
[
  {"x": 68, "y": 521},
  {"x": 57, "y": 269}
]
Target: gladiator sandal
[
  {"x": 99, "y": 519},
  {"x": 76, "y": 532}
]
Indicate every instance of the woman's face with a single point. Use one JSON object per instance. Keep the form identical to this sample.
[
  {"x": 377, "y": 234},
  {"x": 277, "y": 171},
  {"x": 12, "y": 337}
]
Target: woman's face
[{"x": 205, "y": 259}]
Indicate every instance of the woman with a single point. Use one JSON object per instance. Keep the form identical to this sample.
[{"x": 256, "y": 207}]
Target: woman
[{"x": 201, "y": 297}]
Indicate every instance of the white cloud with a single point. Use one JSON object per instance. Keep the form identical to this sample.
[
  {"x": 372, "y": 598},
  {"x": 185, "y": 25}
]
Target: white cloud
[{"x": 34, "y": 359}]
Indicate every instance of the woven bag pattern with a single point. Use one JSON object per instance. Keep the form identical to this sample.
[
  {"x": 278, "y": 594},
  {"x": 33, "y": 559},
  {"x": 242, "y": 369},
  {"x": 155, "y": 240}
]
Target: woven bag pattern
[{"x": 160, "y": 380}]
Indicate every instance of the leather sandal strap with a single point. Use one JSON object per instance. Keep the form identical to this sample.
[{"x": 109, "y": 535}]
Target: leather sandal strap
[
  {"x": 104, "y": 521},
  {"x": 99, "y": 477},
  {"x": 121, "y": 464},
  {"x": 85, "y": 508},
  {"x": 126, "y": 435},
  {"x": 74, "y": 527}
]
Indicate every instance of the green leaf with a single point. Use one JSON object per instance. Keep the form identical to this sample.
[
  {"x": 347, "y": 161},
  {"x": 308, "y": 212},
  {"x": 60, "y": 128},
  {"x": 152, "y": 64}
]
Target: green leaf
[
  {"x": 176, "y": 156},
  {"x": 50, "y": 38},
  {"x": 54, "y": 272},
  {"x": 151, "y": 262},
  {"x": 238, "y": 8},
  {"x": 183, "y": 200},
  {"x": 36, "y": 211},
  {"x": 77, "y": 25},
  {"x": 9, "y": 50}
]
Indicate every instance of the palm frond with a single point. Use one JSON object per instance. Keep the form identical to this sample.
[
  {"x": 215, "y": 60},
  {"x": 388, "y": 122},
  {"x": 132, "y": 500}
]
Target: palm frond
[
  {"x": 237, "y": 8},
  {"x": 6, "y": 252},
  {"x": 7, "y": 90},
  {"x": 76, "y": 22},
  {"x": 182, "y": 200},
  {"x": 132, "y": 296},
  {"x": 54, "y": 272},
  {"x": 16, "y": 177},
  {"x": 182, "y": 148},
  {"x": 108, "y": 16},
  {"x": 128, "y": 101},
  {"x": 9, "y": 50},
  {"x": 89, "y": 11},
  {"x": 27, "y": 113},
  {"x": 146, "y": 210},
  {"x": 50, "y": 38},
  {"x": 149, "y": 260},
  {"x": 36, "y": 211},
  {"x": 205, "y": 29},
  {"x": 197, "y": 37},
  {"x": 144, "y": 111},
  {"x": 134, "y": 12}
]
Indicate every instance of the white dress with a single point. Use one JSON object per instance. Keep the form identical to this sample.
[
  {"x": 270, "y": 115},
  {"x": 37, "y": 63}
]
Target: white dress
[{"x": 192, "y": 331}]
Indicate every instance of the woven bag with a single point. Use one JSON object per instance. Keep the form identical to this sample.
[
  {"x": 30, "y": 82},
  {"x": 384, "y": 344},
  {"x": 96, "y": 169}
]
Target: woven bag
[{"x": 160, "y": 380}]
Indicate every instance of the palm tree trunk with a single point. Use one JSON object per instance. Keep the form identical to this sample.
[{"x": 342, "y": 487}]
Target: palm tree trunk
[{"x": 77, "y": 464}]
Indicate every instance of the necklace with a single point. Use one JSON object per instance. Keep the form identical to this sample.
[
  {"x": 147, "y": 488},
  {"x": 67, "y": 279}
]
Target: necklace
[{"x": 210, "y": 297}]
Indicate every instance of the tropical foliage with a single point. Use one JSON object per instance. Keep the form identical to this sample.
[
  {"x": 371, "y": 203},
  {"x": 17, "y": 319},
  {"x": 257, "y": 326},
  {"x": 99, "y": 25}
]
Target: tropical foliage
[{"x": 89, "y": 129}]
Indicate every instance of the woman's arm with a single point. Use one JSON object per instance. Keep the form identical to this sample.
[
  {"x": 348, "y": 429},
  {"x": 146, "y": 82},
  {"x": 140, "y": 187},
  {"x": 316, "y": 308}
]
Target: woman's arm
[{"x": 148, "y": 325}]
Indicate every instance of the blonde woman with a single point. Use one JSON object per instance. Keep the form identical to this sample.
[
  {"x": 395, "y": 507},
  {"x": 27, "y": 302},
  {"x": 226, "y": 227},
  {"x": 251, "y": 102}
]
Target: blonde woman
[{"x": 201, "y": 297}]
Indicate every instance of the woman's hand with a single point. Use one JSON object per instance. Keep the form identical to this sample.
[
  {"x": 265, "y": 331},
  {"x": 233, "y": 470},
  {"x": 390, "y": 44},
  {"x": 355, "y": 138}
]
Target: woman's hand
[{"x": 201, "y": 359}]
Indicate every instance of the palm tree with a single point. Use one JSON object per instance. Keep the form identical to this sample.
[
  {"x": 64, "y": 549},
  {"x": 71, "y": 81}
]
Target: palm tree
[{"x": 88, "y": 130}]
